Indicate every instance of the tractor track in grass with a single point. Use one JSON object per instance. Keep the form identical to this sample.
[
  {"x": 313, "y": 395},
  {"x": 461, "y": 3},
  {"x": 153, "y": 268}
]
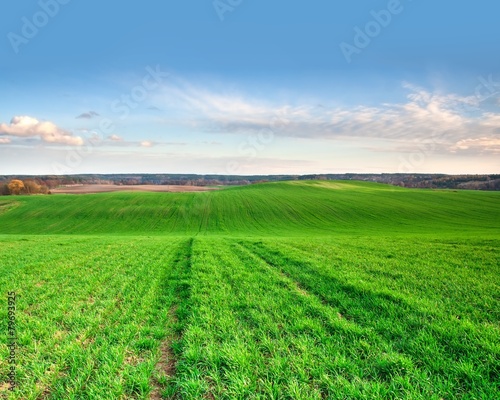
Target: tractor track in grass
[
  {"x": 371, "y": 311},
  {"x": 318, "y": 306},
  {"x": 292, "y": 284},
  {"x": 328, "y": 306},
  {"x": 259, "y": 250},
  {"x": 177, "y": 284},
  {"x": 372, "y": 301}
]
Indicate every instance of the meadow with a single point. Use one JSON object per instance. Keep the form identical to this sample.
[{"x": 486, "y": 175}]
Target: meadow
[{"x": 290, "y": 290}]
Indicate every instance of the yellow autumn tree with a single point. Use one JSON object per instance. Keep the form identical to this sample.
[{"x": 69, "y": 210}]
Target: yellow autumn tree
[
  {"x": 15, "y": 186},
  {"x": 31, "y": 187}
]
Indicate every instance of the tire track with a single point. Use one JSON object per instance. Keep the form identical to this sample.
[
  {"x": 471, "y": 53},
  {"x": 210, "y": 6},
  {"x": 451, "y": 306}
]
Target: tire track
[
  {"x": 370, "y": 315},
  {"x": 292, "y": 284},
  {"x": 177, "y": 286},
  {"x": 259, "y": 251},
  {"x": 317, "y": 305},
  {"x": 342, "y": 296}
]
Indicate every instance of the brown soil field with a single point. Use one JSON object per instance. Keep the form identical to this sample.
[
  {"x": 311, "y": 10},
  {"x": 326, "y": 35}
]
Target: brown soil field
[{"x": 85, "y": 189}]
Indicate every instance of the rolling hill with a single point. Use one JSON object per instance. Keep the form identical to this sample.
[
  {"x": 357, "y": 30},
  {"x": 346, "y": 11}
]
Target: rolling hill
[{"x": 284, "y": 208}]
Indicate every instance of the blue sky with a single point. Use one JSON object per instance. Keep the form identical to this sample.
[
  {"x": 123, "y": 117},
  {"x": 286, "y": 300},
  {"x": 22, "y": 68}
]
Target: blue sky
[{"x": 249, "y": 87}]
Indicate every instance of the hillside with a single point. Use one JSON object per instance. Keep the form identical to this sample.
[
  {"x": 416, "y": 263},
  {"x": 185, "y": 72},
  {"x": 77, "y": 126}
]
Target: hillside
[
  {"x": 283, "y": 208},
  {"x": 293, "y": 290}
]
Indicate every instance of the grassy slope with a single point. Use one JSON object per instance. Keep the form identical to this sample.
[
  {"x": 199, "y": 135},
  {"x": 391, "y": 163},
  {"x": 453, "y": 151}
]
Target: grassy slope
[
  {"x": 390, "y": 293},
  {"x": 284, "y": 209},
  {"x": 340, "y": 319},
  {"x": 253, "y": 318},
  {"x": 90, "y": 314}
]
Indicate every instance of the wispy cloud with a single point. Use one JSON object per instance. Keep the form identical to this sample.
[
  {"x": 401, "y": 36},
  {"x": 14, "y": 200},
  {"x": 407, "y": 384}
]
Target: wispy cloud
[
  {"x": 212, "y": 143},
  {"x": 147, "y": 143},
  {"x": 87, "y": 115},
  {"x": 29, "y": 127},
  {"x": 482, "y": 145},
  {"x": 444, "y": 118},
  {"x": 115, "y": 138},
  {"x": 118, "y": 141}
]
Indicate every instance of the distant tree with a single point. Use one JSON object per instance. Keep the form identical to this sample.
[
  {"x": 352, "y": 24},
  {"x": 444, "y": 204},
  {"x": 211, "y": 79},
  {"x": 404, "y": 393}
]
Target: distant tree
[
  {"x": 52, "y": 183},
  {"x": 4, "y": 189},
  {"x": 44, "y": 189},
  {"x": 16, "y": 186},
  {"x": 31, "y": 187}
]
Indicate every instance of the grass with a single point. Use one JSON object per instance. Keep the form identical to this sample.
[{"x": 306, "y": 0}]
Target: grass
[
  {"x": 281, "y": 209},
  {"x": 271, "y": 326},
  {"x": 90, "y": 314},
  {"x": 299, "y": 290}
]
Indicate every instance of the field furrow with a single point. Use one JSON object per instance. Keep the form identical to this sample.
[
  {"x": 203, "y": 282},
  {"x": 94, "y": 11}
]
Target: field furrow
[
  {"x": 434, "y": 343},
  {"x": 176, "y": 283},
  {"x": 90, "y": 323},
  {"x": 293, "y": 290}
]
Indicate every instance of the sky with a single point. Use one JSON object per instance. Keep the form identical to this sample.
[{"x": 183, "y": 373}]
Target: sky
[{"x": 240, "y": 87}]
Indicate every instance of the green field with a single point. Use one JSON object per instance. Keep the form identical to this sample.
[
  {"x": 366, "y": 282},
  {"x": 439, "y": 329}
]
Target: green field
[{"x": 291, "y": 290}]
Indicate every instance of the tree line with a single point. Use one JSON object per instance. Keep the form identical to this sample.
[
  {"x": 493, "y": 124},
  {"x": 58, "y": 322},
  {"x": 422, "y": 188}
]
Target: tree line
[{"x": 27, "y": 186}]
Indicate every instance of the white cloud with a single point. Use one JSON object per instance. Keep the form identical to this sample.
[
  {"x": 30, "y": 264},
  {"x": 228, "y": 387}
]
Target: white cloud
[
  {"x": 115, "y": 138},
  {"x": 491, "y": 120},
  {"x": 29, "y": 127},
  {"x": 5, "y": 140},
  {"x": 482, "y": 145},
  {"x": 146, "y": 143},
  {"x": 443, "y": 118},
  {"x": 118, "y": 141}
]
